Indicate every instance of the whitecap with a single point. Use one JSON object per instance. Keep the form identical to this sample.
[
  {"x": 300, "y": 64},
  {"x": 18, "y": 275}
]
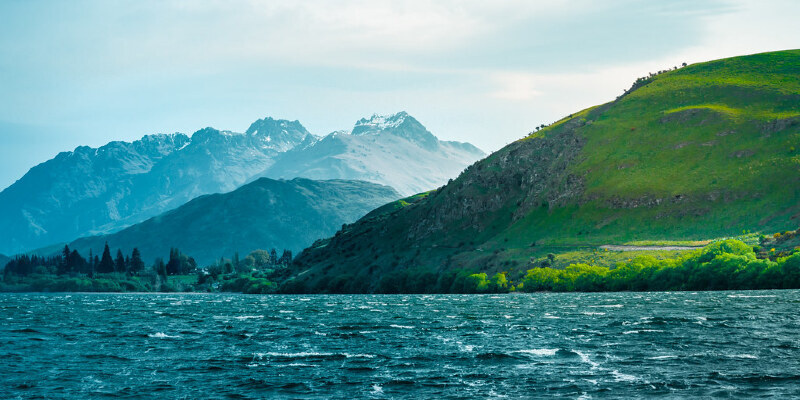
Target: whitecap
[
  {"x": 585, "y": 358},
  {"x": 401, "y": 326},
  {"x": 665, "y": 357},
  {"x": 161, "y": 335},
  {"x": 743, "y": 356},
  {"x": 301, "y": 354},
  {"x": 641, "y": 331},
  {"x": 538, "y": 352},
  {"x": 620, "y": 377},
  {"x": 242, "y": 317},
  {"x": 359, "y": 355}
]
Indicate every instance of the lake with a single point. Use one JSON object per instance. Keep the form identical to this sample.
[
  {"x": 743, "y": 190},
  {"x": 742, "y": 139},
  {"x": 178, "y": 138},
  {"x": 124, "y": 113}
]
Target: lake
[{"x": 574, "y": 345}]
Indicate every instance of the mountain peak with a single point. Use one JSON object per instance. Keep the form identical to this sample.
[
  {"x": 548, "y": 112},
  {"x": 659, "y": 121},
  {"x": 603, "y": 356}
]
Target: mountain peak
[
  {"x": 400, "y": 124},
  {"x": 379, "y": 122},
  {"x": 279, "y": 133}
]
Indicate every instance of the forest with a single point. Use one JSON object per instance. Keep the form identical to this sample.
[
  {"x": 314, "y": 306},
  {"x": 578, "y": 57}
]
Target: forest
[{"x": 69, "y": 271}]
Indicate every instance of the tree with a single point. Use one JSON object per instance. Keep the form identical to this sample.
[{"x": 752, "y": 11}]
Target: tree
[
  {"x": 64, "y": 266},
  {"x": 260, "y": 258},
  {"x": 286, "y": 258},
  {"x": 161, "y": 269},
  {"x": 174, "y": 263},
  {"x": 273, "y": 256},
  {"x": 119, "y": 262},
  {"x": 137, "y": 265},
  {"x": 106, "y": 263},
  {"x": 76, "y": 262}
]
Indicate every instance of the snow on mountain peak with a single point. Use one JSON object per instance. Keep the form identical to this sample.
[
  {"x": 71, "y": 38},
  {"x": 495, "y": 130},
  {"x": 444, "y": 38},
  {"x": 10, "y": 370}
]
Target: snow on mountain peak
[{"x": 379, "y": 122}]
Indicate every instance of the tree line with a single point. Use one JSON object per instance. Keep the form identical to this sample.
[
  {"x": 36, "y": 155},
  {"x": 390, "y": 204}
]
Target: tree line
[{"x": 72, "y": 263}]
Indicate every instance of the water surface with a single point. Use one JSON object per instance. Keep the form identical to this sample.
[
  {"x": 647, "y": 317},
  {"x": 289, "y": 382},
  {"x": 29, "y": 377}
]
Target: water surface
[{"x": 605, "y": 345}]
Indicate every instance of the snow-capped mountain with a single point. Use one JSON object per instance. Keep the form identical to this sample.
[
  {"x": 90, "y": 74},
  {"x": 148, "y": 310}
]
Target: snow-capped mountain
[
  {"x": 97, "y": 191},
  {"x": 394, "y": 150},
  {"x": 91, "y": 191}
]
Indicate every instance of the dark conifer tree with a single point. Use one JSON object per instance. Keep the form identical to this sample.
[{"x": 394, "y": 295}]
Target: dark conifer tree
[
  {"x": 106, "y": 262},
  {"x": 174, "y": 263},
  {"x": 76, "y": 262},
  {"x": 64, "y": 266},
  {"x": 137, "y": 265},
  {"x": 273, "y": 256},
  {"x": 286, "y": 258},
  {"x": 160, "y": 268},
  {"x": 119, "y": 262}
]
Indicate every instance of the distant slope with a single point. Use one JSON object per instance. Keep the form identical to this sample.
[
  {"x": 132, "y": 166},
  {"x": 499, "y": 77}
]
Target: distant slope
[
  {"x": 709, "y": 150},
  {"x": 89, "y": 191},
  {"x": 4, "y": 259},
  {"x": 395, "y": 150},
  {"x": 260, "y": 215}
]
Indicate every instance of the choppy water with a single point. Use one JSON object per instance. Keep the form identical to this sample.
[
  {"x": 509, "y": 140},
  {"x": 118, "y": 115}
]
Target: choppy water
[{"x": 610, "y": 345}]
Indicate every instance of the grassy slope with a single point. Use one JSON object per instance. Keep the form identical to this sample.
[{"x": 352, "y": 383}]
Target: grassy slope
[
  {"x": 710, "y": 150},
  {"x": 691, "y": 136},
  {"x": 263, "y": 214}
]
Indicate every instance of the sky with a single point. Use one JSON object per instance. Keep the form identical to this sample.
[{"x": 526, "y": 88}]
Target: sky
[{"x": 88, "y": 72}]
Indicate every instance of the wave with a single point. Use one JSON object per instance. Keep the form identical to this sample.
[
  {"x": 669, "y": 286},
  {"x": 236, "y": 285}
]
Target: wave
[
  {"x": 162, "y": 335},
  {"x": 312, "y": 354},
  {"x": 24, "y": 330},
  {"x": 538, "y": 352}
]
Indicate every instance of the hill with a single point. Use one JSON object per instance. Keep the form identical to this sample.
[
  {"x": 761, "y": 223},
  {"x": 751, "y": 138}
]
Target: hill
[
  {"x": 263, "y": 214},
  {"x": 709, "y": 150}
]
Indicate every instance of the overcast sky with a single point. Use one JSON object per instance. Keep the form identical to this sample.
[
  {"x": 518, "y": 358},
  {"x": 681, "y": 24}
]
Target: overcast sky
[{"x": 87, "y": 72}]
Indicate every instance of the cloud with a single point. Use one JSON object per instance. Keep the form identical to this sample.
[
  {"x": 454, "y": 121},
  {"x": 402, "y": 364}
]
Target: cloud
[{"x": 515, "y": 86}]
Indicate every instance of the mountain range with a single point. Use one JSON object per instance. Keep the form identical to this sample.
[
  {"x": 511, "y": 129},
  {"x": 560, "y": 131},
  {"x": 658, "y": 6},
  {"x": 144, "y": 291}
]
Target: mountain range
[
  {"x": 91, "y": 191},
  {"x": 262, "y": 214},
  {"x": 706, "y": 151}
]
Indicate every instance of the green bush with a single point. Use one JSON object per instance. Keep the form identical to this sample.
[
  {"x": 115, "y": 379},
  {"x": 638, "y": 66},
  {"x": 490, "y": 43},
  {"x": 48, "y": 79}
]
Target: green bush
[{"x": 725, "y": 265}]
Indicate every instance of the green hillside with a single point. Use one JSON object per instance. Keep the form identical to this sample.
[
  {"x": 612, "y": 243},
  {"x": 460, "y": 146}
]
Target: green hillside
[
  {"x": 706, "y": 151},
  {"x": 263, "y": 214}
]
